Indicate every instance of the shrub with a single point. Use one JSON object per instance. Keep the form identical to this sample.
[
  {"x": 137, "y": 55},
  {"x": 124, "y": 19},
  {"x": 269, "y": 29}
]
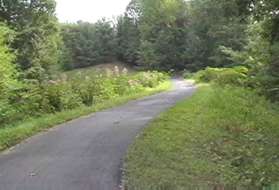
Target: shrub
[
  {"x": 125, "y": 84},
  {"x": 187, "y": 75},
  {"x": 6, "y": 111},
  {"x": 151, "y": 79},
  {"x": 35, "y": 98},
  {"x": 8, "y": 76},
  {"x": 223, "y": 76}
]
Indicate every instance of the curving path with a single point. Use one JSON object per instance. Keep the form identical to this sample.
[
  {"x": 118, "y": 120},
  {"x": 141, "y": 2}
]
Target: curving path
[{"x": 87, "y": 153}]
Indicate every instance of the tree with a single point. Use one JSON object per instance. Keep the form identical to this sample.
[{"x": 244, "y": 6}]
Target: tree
[
  {"x": 87, "y": 44},
  {"x": 128, "y": 34},
  {"x": 267, "y": 12},
  {"x": 216, "y": 24},
  {"x": 164, "y": 33},
  {"x": 37, "y": 39},
  {"x": 8, "y": 73}
]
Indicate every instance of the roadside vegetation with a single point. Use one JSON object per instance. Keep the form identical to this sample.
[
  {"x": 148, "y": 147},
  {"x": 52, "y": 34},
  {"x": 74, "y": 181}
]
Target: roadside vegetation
[
  {"x": 36, "y": 51},
  {"x": 227, "y": 135},
  {"x": 221, "y": 138},
  {"x": 64, "y": 99}
]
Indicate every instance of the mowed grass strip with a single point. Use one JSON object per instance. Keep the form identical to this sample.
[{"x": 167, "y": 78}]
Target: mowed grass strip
[
  {"x": 14, "y": 134},
  {"x": 221, "y": 138}
]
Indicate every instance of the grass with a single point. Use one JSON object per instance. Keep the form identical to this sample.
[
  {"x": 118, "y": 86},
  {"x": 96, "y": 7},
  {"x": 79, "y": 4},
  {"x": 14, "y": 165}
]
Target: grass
[
  {"x": 221, "y": 138},
  {"x": 14, "y": 134}
]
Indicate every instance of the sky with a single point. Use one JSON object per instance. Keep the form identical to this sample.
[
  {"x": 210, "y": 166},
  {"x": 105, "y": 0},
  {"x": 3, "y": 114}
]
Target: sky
[{"x": 89, "y": 10}]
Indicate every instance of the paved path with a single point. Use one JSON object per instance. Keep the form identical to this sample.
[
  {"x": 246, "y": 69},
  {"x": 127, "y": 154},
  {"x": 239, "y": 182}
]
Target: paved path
[{"x": 87, "y": 153}]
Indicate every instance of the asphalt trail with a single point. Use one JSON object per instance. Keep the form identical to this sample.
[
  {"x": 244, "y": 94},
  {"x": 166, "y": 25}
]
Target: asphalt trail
[{"x": 87, "y": 153}]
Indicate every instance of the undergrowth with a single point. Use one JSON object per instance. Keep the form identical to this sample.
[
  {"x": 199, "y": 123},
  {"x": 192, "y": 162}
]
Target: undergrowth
[{"x": 221, "y": 138}]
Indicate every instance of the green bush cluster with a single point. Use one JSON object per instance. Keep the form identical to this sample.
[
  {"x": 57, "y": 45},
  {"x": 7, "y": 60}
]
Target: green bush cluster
[
  {"x": 35, "y": 99},
  {"x": 223, "y": 76}
]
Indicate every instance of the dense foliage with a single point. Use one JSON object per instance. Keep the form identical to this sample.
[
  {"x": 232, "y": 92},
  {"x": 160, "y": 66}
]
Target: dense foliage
[
  {"x": 178, "y": 34},
  {"x": 236, "y": 76},
  {"x": 71, "y": 92},
  {"x": 37, "y": 38},
  {"x": 33, "y": 46},
  {"x": 196, "y": 34},
  {"x": 160, "y": 34},
  {"x": 7, "y": 69},
  {"x": 225, "y": 138},
  {"x": 159, "y": 30},
  {"x": 8, "y": 74},
  {"x": 128, "y": 35},
  {"x": 87, "y": 44}
]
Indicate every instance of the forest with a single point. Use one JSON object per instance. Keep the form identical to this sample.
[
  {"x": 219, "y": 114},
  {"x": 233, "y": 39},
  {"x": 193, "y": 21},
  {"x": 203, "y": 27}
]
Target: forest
[
  {"x": 158, "y": 34},
  {"x": 233, "y": 44}
]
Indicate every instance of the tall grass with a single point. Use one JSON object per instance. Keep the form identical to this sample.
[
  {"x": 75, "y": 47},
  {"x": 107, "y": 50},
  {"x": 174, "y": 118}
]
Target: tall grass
[
  {"x": 223, "y": 138},
  {"x": 66, "y": 93}
]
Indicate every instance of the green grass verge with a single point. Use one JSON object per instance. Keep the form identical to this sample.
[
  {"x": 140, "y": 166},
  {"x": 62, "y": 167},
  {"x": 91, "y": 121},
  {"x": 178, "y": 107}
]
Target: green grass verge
[
  {"x": 12, "y": 135},
  {"x": 221, "y": 138}
]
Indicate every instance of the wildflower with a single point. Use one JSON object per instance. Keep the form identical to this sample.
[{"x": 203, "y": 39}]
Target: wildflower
[
  {"x": 116, "y": 71},
  {"x": 108, "y": 72},
  {"x": 125, "y": 71},
  {"x": 64, "y": 77}
]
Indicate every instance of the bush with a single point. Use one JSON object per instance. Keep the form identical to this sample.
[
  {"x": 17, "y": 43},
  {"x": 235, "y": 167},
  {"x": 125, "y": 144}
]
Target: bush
[
  {"x": 223, "y": 76},
  {"x": 6, "y": 111},
  {"x": 187, "y": 75},
  {"x": 8, "y": 76},
  {"x": 124, "y": 85},
  {"x": 35, "y": 98},
  {"x": 61, "y": 96},
  {"x": 151, "y": 79}
]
